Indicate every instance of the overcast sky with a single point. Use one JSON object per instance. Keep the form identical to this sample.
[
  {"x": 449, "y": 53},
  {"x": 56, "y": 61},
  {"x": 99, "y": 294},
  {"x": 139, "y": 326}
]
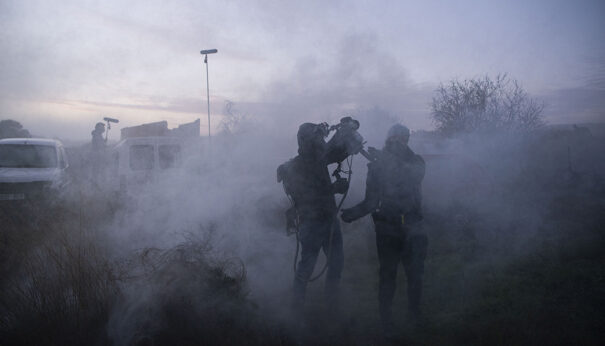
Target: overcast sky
[{"x": 66, "y": 64}]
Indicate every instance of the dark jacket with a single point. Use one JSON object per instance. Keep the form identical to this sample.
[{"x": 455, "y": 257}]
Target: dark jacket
[
  {"x": 307, "y": 180},
  {"x": 98, "y": 143},
  {"x": 393, "y": 189}
]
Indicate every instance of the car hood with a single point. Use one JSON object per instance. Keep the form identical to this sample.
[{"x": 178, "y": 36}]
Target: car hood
[{"x": 26, "y": 175}]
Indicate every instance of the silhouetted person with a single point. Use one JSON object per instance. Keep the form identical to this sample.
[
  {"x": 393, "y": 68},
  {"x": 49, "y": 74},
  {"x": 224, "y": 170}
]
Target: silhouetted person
[
  {"x": 307, "y": 181},
  {"x": 98, "y": 142},
  {"x": 393, "y": 196},
  {"x": 97, "y": 151}
]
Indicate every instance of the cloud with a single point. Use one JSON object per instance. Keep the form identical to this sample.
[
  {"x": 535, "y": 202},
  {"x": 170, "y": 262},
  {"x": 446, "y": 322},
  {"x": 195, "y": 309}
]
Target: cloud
[{"x": 309, "y": 58}]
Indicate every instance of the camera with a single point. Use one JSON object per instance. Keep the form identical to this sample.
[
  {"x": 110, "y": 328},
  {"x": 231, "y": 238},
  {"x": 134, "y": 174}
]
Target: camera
[{"x": 346, "y": 133}]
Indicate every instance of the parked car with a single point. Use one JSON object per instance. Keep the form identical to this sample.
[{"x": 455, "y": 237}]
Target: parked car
[{"x": 32, "y": 169}]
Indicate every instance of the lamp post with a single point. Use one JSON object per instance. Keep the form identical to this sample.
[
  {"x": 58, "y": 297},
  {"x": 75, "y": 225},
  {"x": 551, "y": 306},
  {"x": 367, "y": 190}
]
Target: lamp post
[{"x": 205, "y": 54}]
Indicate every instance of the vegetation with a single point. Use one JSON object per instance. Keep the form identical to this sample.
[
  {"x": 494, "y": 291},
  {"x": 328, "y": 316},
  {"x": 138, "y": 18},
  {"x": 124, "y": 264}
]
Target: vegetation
[
  {"x": 232, "y": 121},
  {"x": 484, "y": 104},
  {"x": 12, "y": 129},
  {"x": 61, "y": 285}
]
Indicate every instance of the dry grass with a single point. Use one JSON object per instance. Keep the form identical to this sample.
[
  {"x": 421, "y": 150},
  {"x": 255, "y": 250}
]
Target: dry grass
[
  {"x": 184, "y": 294},
  {"x": 64, "y": 287},
  {"x": 61, "y": 293}
]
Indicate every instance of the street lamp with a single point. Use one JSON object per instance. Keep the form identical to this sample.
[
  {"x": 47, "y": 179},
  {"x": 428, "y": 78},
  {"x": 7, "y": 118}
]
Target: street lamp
[{"x": 205, "y": 54}]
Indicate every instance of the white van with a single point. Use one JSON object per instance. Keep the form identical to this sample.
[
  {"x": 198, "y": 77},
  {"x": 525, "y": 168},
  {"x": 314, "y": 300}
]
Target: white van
[
  {"x": 31, "y": 168},
  {"x": 136, "y": 161}
]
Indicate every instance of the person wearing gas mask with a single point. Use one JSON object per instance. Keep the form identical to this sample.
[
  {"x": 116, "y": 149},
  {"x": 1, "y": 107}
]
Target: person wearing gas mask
[
  {"x": 307, "y": 181},
  {"x": 393, "y": 196},
  {"x": 98, "y": 143}
]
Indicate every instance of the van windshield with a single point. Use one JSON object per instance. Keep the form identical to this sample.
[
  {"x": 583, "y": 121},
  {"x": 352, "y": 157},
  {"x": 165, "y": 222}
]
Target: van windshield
[{"x": 27, "y": 156}]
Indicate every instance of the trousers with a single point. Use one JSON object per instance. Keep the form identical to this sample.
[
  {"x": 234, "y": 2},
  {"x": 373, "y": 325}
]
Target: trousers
[
  {"x": 410, "y": 250},
  {"x": 314, "y": 235}
]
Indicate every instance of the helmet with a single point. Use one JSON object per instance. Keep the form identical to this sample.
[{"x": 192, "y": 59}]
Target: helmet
[{"x": 100, "y": 126}]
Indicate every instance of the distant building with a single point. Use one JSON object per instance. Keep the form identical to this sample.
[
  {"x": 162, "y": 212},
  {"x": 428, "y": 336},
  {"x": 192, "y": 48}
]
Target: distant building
[{"x": 585, "y": 130}]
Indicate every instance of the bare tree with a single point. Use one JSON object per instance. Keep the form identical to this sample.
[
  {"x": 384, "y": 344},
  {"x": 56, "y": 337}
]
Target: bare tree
[
  {"x": 483, "y": 104},
  {"x": 12, "y": 129},
  {"x": 232, "y": 119}
]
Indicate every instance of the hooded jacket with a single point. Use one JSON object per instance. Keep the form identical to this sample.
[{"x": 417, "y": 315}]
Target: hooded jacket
[
  {"x": 306, "y": 177},
  {"x": 393, "y": 188}
]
